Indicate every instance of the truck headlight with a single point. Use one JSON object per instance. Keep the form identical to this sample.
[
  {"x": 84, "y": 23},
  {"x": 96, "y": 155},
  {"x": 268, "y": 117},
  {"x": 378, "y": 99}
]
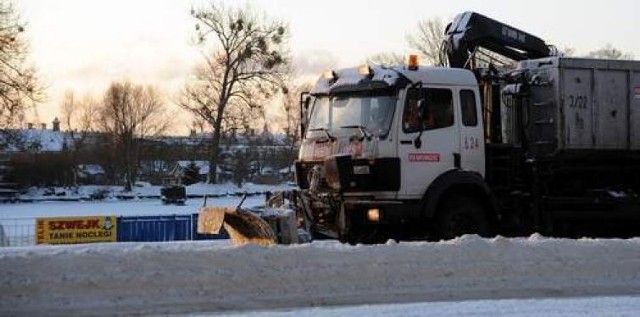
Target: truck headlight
[{"x": 373, "y": 215}]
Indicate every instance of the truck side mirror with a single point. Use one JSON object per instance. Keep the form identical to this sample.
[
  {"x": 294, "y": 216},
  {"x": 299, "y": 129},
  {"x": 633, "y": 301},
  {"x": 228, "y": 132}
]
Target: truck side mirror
[
  {"x": 305, "y": 101},
  {"x": 423, "y": 113},
  {"x": 422, "y": 109}
]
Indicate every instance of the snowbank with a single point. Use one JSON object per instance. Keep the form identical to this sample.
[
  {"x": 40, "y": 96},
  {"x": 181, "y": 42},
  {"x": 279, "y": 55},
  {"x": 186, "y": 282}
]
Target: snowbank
[
  {"x": 533, "y": 307},
  {"x": 179, "y": 277}
]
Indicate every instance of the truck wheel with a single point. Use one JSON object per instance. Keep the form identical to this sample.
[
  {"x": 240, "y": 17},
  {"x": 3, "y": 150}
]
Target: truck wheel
[{"x": 459, "y": 215}]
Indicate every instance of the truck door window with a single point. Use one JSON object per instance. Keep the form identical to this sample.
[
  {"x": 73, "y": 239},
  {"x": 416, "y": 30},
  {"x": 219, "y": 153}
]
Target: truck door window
[
  {"x": 468, "y": 107},
  {"x": 439, "y": 105}
]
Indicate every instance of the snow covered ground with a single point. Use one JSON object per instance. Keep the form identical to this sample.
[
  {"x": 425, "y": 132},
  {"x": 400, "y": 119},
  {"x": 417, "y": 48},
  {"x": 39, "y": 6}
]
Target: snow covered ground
[
  {"x": 532, "y": 276},
  {"x": 538, "y": 307},
  {"x": 143, "y": 189},
  {"x": 536, "y": 276},
  {"x": 140, "y": 207}
]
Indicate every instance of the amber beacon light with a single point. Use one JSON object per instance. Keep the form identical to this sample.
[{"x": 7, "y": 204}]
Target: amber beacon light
[{"x": 413, "y": 62}]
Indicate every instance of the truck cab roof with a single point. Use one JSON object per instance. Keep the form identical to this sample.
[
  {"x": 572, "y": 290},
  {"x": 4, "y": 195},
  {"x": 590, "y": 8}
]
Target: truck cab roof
[{"x": 365, "y": 78}]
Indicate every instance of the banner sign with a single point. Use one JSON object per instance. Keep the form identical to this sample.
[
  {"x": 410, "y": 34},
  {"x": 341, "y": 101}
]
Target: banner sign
[{"x": 70, "y": 230}]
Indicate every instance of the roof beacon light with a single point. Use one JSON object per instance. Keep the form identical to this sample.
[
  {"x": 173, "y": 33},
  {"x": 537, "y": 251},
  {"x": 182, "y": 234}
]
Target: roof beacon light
[
  {"x": 328, "y": 74},
  {"x": 413, "y": 62},
  {"x": 365, "y": 70}
]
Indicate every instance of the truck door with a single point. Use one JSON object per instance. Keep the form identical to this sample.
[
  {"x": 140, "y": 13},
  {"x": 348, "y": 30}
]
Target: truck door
[
  {"x": 427, "y": 143},
  {"x": 471, "y": 133}
]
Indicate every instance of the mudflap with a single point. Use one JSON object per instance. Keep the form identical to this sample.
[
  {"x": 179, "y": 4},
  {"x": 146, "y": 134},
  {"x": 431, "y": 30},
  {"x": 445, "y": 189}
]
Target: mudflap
[{"x": 242, "y": 226}]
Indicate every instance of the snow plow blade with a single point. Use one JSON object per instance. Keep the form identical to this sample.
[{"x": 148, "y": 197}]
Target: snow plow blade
[{"x": 242, "y": 226}]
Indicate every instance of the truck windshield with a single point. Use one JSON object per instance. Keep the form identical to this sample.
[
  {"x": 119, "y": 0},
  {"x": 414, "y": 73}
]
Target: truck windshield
[{"x": 342, "y": 114}]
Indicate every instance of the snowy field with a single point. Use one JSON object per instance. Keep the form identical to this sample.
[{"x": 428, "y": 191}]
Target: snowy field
[
  {"x": 141, "y": 207},
  {"x": 532, "y": 276},
  {"x": 143, "y": 189}
]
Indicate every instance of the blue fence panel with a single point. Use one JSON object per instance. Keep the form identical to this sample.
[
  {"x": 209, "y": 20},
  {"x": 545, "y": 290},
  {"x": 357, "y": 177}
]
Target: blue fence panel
[
  {"x": 160, "y": 228},
  {"x": 154, "y": 228}
]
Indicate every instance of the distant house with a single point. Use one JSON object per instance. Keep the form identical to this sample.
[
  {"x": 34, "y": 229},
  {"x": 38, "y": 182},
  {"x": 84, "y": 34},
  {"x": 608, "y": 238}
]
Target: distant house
[
  {"x": 91, "y": 174},
  {"x": 267, "y": 171},
  {"x": 287, "y": 172},
  {"x": 153, "y": 171},
  {"x": 34, "y": 140},
  {"x": 40, "y": 139},
  {"x": 179, "y": 168}
]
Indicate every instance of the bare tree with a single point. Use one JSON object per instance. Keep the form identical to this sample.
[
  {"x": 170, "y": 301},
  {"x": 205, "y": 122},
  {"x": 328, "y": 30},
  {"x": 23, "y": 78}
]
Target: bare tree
[
  {"x": 292, "y": 117},
  {"x": 610, "y": 52},
  {"x": 386, "y": 59},
  {"x": 246, "y": 65},
  {"x": 198, "y": 125},
  {"x": 79, "y": 119},
  {"x": 130, "y": 113},
  {"x": 19, "y": 87},
  {"x": 291, "y": 107},
  {"x": 428, "y": 40}
]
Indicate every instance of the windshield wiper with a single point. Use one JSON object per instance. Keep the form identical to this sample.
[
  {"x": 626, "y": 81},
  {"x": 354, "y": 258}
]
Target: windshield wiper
[
  {"x": 360, "y": 128},
  {"x": 326, "y": 132}
]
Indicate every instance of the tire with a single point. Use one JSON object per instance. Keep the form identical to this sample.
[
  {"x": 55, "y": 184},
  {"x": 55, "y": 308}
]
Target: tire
[{"x": 459, "y": 215}]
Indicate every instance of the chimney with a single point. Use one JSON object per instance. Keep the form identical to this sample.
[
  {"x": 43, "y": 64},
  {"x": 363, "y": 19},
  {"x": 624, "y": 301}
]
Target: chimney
[{"x": 56, "y": 124}]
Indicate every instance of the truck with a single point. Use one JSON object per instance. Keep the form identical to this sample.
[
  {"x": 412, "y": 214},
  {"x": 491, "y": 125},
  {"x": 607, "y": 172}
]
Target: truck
[
  {"x": 173, "y": 192},
  {"x": 547, "y": 144}
]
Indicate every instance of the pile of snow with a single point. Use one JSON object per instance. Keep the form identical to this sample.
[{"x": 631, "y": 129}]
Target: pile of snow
[
  {"x": 531, "y": 307},
  {"x": 187, "y": 277}
]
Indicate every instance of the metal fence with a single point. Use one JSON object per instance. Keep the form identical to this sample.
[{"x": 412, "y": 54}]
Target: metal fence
[
  {"x": 17, "y": 231},
  {"x": 22, "y": 231}
]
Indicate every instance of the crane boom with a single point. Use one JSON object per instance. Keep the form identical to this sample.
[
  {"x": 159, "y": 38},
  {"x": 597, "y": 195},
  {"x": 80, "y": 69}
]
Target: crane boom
[{"x": 471, "y": 30}]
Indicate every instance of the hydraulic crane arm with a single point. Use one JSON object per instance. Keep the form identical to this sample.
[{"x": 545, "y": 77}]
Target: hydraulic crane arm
[{"x": 471, "y": 30}]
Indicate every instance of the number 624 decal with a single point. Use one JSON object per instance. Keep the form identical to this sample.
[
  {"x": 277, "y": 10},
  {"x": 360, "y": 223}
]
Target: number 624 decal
[{"x": 471, "y": 143}]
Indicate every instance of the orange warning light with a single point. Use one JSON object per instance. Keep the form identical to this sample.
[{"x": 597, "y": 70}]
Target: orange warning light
[{"x": 413, "y": 62}]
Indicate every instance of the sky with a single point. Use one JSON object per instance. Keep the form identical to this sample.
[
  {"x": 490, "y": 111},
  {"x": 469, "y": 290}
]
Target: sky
[{"x": 84, "y": 45}]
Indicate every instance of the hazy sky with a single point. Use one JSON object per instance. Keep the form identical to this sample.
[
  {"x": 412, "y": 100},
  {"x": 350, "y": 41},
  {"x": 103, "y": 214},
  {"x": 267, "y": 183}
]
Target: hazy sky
[{"x": 85, "y": 44}]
